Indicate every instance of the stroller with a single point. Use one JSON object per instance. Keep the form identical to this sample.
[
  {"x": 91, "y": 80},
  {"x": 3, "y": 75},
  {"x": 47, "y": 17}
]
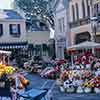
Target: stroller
[
  {"x": 33, "y": 94},
  {"x": 5, "y": 88}
]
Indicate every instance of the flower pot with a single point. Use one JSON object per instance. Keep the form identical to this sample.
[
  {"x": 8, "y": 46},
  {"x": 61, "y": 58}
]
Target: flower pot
[
  {"x": 59, "y": 82},
  {"x": 88, "y": 66},
  {"x": 70, "y": 90},
  {"x": 79, "y": 90},
  {"x": 87, "y": 90},
  {"x": 62, "y": 89},
  {"x": 96, "y": 90}
]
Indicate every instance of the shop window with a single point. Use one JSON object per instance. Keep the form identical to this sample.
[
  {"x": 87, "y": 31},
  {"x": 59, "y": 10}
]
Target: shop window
[
  {"x": 1, "y": 29},
  {"x": 14, "y": 29}
]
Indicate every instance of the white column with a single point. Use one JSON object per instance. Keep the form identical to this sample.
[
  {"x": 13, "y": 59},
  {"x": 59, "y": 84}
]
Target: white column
[{"x": 56, "y": 47}]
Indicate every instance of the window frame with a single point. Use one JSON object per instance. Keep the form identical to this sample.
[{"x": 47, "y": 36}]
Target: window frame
[
  {"x": 1, "y": 29},
  {"x": 17, "y": 33},
  {"x": 88, "y": 8},
  {"x": 61, "y": 24}
]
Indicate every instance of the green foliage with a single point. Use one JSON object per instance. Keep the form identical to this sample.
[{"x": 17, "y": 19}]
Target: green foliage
[{"x": 38, "y": 8}]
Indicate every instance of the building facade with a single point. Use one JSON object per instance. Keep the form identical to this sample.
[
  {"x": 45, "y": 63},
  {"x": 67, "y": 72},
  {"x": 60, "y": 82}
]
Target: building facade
[
  {"x": 62, "y": 35},
  {"x": 38, "y": 39},
  {"x": 15, "y": 37},
  {"x": 81, "y": 25},
  {"x": 12, "y": 30}
]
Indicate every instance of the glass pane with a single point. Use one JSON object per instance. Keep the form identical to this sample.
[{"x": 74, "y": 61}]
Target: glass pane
[{"x": 15, "y": 28}]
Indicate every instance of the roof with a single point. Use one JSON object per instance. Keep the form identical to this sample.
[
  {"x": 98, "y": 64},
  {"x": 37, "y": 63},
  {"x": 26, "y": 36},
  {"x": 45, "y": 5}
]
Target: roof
[{"x": 9, "y": 14}]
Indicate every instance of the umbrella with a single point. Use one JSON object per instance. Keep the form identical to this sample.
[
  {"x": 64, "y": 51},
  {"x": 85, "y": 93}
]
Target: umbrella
[{"x": 84, "y": 45}]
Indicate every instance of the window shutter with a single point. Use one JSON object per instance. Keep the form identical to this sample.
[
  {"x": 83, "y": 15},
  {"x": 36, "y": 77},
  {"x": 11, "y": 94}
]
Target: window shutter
[
  {"x": 10, "y": 28},
  {"x": 19, "y": 32},
  {"x": 1, "y": 29}
]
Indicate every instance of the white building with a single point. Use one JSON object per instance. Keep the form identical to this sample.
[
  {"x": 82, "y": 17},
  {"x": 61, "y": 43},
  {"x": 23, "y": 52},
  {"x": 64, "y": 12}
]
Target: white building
[
  {"x": 14, "y": 36},
  {"x": 12, "y": 30},
  {"x": 62, "y": 36}
]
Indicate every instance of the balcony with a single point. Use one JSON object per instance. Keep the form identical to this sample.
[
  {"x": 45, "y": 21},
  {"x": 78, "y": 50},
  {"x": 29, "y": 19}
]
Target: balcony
[{"x": 79, "y": 22}]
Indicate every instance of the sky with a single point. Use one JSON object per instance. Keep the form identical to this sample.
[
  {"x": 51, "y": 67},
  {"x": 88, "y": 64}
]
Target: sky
[{"x": 5, "y": 4}]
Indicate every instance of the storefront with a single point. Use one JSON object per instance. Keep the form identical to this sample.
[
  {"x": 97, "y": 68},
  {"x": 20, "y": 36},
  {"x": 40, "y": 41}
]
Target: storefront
[{"x": 18, "y": 49}]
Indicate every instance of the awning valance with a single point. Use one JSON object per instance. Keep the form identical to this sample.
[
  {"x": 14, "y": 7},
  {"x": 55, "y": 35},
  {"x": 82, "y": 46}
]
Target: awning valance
[
  {"x": 84, "y": 45},
  {"x": 15, "y": 45}
]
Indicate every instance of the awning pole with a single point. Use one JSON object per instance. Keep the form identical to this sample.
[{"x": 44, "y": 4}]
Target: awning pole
[{"x": 72, "y": 60}]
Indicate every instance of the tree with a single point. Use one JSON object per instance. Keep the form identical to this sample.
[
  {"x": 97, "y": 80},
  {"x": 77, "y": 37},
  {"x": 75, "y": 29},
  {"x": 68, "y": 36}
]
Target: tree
[{"x": 36, "y": 8}]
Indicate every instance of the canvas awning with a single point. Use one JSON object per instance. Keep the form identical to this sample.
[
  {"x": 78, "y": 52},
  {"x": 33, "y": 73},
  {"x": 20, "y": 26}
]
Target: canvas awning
[
  {"x": 5, "y": 52},
  {"x": 14, "y": 45}
]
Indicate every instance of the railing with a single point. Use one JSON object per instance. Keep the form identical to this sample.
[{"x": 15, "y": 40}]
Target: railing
[{"x": 80, "y": 22}]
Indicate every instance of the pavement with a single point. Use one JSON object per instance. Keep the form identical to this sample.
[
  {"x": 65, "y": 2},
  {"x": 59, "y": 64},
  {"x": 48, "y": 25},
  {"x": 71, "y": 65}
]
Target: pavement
[{"x": 41, "y": 83}]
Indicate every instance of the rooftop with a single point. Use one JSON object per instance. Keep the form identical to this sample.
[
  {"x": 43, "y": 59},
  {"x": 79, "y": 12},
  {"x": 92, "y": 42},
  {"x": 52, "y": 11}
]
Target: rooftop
[{"x": 9, "y": 14}]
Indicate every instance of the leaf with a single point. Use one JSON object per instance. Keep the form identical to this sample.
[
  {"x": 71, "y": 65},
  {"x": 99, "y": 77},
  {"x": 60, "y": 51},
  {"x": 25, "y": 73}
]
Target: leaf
[{"x": 38, "y": 8}]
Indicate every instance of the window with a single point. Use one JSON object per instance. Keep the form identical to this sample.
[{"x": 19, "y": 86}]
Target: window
[
  {"x": 61, "y": 24},
  {"x": 77, "y": 11},
  {"x": 73, "y": 13},
  {"x": 83, "y": 9},
  {"x": 88, "y": 8},
  {"x": 1, "y": 29},
  {"x": 59, "y": 27},
  {"x": 14, "y": 29}
]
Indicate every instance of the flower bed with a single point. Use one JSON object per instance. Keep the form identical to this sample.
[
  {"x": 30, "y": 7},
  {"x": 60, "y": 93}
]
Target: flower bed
[{"x": 83, "y": 77}]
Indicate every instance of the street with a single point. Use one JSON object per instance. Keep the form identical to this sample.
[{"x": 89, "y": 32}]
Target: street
[{"x": 37, "y": 82}]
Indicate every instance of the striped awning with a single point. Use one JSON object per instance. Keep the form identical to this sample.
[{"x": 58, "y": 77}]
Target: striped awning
[{"x": 15, "y": 45}]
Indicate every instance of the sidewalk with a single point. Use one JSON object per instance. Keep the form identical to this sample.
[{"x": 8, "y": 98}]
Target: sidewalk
[{"x": 37, "y": 82}]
